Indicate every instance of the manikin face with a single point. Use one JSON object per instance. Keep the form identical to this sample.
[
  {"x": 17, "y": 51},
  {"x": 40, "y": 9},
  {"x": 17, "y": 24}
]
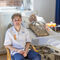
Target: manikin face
[{"x": 17, "y": 21}]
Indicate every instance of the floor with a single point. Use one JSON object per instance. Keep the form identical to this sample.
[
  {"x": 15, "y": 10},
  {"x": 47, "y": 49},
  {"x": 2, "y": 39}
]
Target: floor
[{"x": 3, "y": 57}]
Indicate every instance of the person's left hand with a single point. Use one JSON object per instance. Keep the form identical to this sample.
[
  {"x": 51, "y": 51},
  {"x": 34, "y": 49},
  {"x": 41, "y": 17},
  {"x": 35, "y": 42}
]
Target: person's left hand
[{"x": 25, "y": 54}]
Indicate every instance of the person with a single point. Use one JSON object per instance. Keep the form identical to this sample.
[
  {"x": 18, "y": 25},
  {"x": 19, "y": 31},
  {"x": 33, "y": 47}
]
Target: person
[{"x": 17, "y": 39}]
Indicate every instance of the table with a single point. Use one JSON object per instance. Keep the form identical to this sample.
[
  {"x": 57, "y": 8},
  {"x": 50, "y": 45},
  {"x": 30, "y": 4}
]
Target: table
[{"x": 57, "y": 27}]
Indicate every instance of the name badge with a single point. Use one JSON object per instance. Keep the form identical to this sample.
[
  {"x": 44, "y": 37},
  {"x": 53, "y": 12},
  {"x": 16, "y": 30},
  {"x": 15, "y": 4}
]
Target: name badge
[{"x": 15, "y": 37}]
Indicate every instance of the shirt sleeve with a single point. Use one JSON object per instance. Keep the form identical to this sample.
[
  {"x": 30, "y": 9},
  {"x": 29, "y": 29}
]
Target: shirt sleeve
[
  {"x": 7, "y": 39},
  {"x": 28, "y": 38}
]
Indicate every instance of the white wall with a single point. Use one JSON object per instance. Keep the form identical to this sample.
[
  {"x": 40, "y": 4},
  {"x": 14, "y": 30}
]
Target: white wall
[{"x": 45, "y": 8}]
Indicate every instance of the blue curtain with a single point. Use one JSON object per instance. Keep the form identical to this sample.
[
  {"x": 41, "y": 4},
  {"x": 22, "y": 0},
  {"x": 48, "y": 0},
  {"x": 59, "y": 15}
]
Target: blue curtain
[{"x": 57, "y": 15}]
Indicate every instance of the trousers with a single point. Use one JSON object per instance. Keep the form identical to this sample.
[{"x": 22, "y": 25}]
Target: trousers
[{"x": 32, "y": 55}]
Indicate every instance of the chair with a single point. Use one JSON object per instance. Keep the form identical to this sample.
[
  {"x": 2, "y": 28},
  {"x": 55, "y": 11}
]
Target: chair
[{"x": 9, "y": 55}]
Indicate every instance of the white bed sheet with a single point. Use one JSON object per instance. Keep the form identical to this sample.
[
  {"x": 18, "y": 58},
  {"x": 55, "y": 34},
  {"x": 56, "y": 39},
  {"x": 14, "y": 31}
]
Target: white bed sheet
[{"x": 53, "y": 39}]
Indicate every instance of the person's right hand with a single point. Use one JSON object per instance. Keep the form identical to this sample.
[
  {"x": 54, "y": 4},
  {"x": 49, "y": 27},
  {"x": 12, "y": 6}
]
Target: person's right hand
[{"x": 20, "y": 51}]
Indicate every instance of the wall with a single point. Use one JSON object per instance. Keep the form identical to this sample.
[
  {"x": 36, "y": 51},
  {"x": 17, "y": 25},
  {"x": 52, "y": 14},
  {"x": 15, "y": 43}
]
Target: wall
[{"x": 45, "y": 8}]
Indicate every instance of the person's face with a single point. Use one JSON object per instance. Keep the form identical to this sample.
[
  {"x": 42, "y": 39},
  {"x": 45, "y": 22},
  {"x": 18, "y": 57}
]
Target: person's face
[{"x": 17, "y": 21}]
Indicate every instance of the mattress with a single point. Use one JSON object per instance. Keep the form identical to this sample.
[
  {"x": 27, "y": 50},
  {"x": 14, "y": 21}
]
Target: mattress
[{"x": 52, "y": 40}]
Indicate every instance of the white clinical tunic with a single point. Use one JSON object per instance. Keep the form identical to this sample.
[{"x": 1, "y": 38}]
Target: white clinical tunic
[{"x": 17, "y": 39}]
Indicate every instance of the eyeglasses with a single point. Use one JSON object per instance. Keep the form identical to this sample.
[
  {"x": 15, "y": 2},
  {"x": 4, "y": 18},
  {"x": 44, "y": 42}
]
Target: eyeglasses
[{"x": 15, "y": 20}]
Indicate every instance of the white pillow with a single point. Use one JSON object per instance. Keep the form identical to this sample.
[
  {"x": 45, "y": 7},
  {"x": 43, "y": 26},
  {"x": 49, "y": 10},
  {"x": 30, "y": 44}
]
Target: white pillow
[{"x": 25, "y": 21}]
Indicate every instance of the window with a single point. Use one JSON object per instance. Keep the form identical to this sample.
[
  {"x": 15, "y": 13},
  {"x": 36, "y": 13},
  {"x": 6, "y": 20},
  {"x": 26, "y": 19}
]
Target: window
[{"x": 18, "y": 4}]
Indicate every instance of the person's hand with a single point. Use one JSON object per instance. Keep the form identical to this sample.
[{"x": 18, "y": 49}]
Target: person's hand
[
  {"x": 25, "y": 54},
  {"x": 21, "y": 52}
]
